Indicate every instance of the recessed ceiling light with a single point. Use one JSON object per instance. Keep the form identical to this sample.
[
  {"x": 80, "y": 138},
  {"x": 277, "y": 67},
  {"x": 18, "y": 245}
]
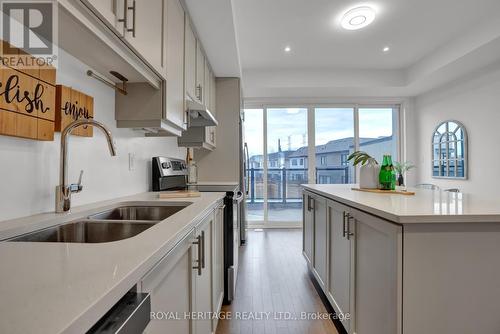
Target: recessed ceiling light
[
  {"x": 357, "y": 18},
  {"x": 288, "y": 49},
  {"x": 386, "y": 49}
]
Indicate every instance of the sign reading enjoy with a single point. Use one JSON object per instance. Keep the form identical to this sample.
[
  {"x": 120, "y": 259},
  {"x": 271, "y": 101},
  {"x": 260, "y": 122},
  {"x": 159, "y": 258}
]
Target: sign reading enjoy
[{"x": 72, "y": 105}]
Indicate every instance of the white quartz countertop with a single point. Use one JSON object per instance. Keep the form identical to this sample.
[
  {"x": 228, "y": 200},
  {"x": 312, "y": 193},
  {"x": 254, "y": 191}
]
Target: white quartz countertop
[
  {"x": 66, "y": 287},
  {"x": 426, "y": 206}
]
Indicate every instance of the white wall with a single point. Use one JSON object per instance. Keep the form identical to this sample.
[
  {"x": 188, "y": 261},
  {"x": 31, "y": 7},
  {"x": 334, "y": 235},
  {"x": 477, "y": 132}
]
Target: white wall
[
  {"x": 474, "y": 101},
  {"x": 29, "y": 170}
]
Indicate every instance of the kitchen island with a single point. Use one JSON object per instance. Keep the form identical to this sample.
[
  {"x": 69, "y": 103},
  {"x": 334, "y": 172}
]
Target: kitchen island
[
  {"x": 58, "y": 287},
  {"x": 426, "y": 263}
]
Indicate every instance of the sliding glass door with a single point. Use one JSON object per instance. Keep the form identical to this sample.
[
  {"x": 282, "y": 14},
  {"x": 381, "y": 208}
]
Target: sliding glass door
[
  {"x": 334, "y": 141},
  {"x": 286, "y": 144},
  {"x": 254, "y": 145},
  {"x": 289, "y": 146}
]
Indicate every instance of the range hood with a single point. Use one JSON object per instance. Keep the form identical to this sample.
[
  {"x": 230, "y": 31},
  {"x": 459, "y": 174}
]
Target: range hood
[{"x": 199, "y": 115}]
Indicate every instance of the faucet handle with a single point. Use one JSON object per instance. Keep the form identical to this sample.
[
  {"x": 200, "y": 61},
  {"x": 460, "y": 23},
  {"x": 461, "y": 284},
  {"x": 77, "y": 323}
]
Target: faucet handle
[
  {"x": 75, "y": 188},
  {"x": 80, "y": 178}
]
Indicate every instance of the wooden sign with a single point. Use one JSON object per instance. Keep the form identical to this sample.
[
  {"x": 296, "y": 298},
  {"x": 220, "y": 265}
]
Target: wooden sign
[
  {"x": 72, "y": 105},
  {"x": 27, "y": 100},
  {"x": 27, "y": 103}
]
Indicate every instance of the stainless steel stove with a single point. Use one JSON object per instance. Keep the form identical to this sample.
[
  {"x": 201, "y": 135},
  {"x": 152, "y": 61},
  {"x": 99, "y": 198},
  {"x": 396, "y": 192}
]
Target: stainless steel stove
[{"x": 171, "y": 174}]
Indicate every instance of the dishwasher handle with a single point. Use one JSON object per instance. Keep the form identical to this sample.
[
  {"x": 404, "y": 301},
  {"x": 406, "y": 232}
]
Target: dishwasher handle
[{"x": 129, "y": 315}]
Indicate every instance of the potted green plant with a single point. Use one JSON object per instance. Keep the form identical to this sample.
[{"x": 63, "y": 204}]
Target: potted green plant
[
  {"x": 368, "y": 169},
  {"x": 401, "y": 169}
]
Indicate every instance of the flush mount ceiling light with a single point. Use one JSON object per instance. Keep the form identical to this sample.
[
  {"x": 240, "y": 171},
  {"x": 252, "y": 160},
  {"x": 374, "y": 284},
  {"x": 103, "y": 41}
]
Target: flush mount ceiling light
[
  {"x": 386, "y": 49},
  {"x": 357, "y": 18},
  {"x": 288, "y": 49}
]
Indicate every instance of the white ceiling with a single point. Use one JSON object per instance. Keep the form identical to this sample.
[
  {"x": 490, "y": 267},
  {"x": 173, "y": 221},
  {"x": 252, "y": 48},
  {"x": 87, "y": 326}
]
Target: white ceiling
[
  {"x": 412, "y": 28},
  {"x": 432, "y": 43}
]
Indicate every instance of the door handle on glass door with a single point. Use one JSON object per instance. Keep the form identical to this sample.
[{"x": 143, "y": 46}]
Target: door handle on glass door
[{"x": 247, "y": 159}]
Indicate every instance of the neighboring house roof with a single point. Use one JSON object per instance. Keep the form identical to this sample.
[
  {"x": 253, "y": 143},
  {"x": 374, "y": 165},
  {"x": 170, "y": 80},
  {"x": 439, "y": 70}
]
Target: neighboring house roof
[
  {"x": 338, "y": 145},
  {"x": 277, "y": 155},
  {"x": 333, "y": 146}
]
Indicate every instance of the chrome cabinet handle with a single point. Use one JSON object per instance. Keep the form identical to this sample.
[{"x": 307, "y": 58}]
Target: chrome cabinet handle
[
  {"x": 124, "y": 20},
  {"x": 348, "y": 232},
  {"x": 343, "y": 224},
  {"x": 310, "y": 203},
  {"x": 126, "y": 8},
  {"x": 199, "y": 92},
  {"x": 133, "y": 8},
  {"x": 198, "y": 242},
  {"x": 203, "y": 249},
  {"x": 185, "y": 118}
]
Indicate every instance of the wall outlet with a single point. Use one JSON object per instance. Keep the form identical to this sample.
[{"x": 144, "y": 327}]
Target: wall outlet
[{"x": 131, "y": 161}]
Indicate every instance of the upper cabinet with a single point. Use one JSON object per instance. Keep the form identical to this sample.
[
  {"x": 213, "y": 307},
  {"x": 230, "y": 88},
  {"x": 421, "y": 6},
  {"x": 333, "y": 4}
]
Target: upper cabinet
[
  {"x": 200, "y": 73},
  {"x": 176, "y": 111},
  {"x": 145, "y": 29},
  {"x": 190, "y": 61},
  {"x": 107, "y": 11},
  {"x": 152, "y": 43},
  {"x": 213, "y": 106},
  {"x": 206, "y": 85},
  {"x": 141, "y": 23}
]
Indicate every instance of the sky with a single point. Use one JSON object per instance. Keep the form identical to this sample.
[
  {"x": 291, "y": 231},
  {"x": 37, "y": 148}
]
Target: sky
[{"x": 290, "y": 126}]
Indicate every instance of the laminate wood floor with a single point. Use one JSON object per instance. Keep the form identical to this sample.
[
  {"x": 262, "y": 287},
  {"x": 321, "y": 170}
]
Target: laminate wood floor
[{"x": 273, "y": 278}]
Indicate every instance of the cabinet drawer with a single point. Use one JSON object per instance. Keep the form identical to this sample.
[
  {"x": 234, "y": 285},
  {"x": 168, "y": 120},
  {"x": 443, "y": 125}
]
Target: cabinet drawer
[{"x": 165, "y": 265}]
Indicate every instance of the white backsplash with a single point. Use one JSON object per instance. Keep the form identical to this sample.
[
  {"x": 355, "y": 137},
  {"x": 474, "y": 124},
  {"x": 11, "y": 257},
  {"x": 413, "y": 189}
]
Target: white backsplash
[{"x": 29, "y": 170}]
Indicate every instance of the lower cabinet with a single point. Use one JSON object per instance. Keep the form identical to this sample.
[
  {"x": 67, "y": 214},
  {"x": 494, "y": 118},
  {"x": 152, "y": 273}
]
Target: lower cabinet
[
  {"x": 185, "y": 283},
  {"x": 320, "y": 240},
  {"x": 378, "y": 275},
  {"x": 340, "y": 264},
  {"x": 203, "y": 278},
  {"x": 171, "y": 288},
  {"x": 217, "y": 262},
  {"x": 308, "y": 227},
  {"x": 357, "y": 261}
]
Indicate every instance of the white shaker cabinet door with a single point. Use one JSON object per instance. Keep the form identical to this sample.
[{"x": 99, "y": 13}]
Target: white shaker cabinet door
[
  {"x": 218, "y": 262},
  {"x": 190, "y": 61},
  {"x": 171, "y": 286},
  {"x": 320, "y": 239},
  {"x": 145, "y": 31},
  {"x": 378, "y": 275},
  {"x": 109, "y": 11},
  {"x": 175, "y": 112},
  {"x": 340, "y": 262},
  {"x": 200, "y": 73},
  {"x": 203, "y": 278},
  {"x": 308, "y": 227}
]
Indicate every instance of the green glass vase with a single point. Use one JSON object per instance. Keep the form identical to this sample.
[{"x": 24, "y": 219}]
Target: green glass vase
[{"x": 387, "y": 175}]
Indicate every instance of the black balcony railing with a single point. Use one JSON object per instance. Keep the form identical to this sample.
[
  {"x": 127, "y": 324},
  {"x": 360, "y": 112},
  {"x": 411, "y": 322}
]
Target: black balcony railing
[{"x": 283, "y": 184}]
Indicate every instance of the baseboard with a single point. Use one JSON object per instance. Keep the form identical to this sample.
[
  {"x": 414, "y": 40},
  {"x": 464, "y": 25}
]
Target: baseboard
[{"x": 336, "y": 322}]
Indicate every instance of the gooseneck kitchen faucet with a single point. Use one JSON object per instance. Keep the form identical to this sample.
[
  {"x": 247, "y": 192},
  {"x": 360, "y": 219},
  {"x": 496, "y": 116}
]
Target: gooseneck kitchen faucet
[{"x": 63, "y": 190}]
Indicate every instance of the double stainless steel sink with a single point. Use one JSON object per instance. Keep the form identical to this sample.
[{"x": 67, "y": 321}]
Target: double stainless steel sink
[{"x": 110, "y": 225}]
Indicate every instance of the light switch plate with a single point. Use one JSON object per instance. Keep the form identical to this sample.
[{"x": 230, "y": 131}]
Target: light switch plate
[{"x": 131, "y": 161}]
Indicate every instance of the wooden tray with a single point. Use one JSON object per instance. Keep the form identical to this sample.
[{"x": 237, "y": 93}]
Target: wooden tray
[
  {"x": 179, "y": 194},
  {"x": 379, "y": 191}
]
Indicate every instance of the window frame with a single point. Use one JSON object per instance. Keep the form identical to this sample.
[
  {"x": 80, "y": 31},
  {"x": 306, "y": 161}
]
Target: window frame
[
  {"x": 398, "y": 105},
  {"x": 447, "y": 160}
]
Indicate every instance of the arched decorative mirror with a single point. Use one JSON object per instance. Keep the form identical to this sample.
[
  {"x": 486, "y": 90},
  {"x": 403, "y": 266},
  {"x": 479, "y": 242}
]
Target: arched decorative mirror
[{"x": 449, "y": 151}]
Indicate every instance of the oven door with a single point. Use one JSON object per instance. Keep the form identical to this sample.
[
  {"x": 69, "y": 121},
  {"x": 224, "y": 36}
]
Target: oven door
[{"x": 236, "y": 235}]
